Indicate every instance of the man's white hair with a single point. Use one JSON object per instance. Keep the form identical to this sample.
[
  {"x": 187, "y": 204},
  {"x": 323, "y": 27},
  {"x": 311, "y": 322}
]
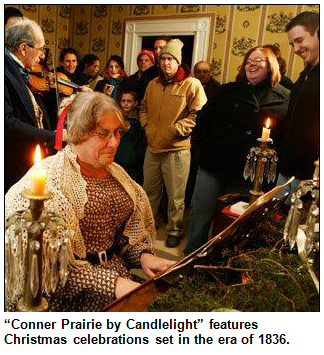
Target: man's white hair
[{"x": 22, "y": 30}]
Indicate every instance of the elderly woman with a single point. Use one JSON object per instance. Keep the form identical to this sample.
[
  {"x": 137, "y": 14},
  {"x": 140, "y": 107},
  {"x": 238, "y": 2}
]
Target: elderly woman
[
  {"x": 108, "y": 212},
  {"x": 227, "y": 127}
]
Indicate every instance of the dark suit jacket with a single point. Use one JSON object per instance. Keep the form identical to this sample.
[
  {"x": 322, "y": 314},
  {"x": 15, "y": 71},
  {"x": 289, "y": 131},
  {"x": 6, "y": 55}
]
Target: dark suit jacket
[
  {"x": 20, "y": 129},
  {"x": 300, "y": 138},
  {"x": 211, "y": 88}
]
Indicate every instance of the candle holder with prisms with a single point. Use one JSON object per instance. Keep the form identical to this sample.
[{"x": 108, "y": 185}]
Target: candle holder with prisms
[
  {"x": 305, "y": 236},
  {"x": 310, "y": 187},
  {"x": 261, "y": 164},
  {"x": 36, "y": 254}
]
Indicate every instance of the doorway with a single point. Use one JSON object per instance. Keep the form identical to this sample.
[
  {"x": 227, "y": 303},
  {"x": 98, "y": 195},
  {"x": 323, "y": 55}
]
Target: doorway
[{"x": 195, "y": 32}]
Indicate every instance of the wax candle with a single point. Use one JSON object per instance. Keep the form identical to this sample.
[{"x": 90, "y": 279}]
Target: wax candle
[
  {"x": 266, "y": 131},
  {"x": 39, "y": 176}
]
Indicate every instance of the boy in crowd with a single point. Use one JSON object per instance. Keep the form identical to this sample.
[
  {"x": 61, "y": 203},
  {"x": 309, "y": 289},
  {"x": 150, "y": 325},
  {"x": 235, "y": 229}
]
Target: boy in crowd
[{"x": 131, "y": 151}]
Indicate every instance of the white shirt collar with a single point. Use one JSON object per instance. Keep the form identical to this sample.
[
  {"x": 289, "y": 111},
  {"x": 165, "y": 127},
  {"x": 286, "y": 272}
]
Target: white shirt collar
[{"x": 17, "y": 60}]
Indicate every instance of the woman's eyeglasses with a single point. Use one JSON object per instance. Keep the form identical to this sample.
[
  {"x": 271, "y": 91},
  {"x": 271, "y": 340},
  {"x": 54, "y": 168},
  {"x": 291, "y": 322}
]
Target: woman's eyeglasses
[
  {"x": 107, "y": 135},
  {"x": 255, "y": 61}
]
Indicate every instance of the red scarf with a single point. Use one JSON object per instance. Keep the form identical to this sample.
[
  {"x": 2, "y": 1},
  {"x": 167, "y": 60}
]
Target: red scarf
[
  {"x": 180, "y": 75},
  {"x": 59, "y": 128}
]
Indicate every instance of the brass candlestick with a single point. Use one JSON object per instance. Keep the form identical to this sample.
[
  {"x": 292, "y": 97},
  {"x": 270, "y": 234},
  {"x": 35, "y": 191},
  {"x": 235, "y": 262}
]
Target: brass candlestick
[
  {"x": 30, "y": 235},
  {"x": 261, "y": 163}
]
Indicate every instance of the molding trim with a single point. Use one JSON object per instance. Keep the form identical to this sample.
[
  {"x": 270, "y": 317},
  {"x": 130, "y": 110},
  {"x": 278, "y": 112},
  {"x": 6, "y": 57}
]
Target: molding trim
[{"x": 198, "y": 26}]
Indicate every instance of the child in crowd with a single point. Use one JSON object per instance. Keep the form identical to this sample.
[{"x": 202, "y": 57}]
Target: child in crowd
[{"x": 131, "y": 150}]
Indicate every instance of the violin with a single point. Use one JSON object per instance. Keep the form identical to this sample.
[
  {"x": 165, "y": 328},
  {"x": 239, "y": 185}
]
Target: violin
[
  {"x": 64, "y": 85},
  {"x": 41, "y": 80}
]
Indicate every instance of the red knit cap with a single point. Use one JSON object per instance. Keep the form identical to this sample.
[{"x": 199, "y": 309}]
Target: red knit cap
[{"x": 150, "y": 54}]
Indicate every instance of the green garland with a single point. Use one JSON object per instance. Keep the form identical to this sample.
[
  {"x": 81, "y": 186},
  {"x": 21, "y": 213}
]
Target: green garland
[{"x": 265, "y": 278}]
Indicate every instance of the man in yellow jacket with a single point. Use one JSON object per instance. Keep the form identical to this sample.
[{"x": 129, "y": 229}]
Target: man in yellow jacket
[{"x": 168, "y": 115}]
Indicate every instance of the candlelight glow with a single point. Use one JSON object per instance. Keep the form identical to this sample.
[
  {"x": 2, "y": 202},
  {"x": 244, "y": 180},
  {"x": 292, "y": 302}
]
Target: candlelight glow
[
  {"x": 38, "y": 157},
  {"x": 39, "y": 175},
  {"x": 266, "y": 131}
]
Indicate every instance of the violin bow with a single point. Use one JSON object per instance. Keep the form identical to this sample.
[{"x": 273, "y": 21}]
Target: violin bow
[{"x": 55, "y": 77}]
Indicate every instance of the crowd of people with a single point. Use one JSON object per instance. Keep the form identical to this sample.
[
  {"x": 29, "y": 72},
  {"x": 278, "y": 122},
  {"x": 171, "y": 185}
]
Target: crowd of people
[{"x": 129, "y": 139}]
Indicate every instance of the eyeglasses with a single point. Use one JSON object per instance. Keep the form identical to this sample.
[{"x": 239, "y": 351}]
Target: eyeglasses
[
  {"x": 42, "y": 49},
  {"x": 255, "y": 61},
  {"x": 107, "y": 135}
]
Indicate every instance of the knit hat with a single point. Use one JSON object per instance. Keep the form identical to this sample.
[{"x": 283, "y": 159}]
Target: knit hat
[
  {"x": 150, "y": 54},
  {"x": 173, "y": 47}
]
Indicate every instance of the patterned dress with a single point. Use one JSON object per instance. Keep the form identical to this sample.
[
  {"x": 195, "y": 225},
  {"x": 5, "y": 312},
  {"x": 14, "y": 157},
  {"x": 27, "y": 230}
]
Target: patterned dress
[{"x": 93, "y": 287}]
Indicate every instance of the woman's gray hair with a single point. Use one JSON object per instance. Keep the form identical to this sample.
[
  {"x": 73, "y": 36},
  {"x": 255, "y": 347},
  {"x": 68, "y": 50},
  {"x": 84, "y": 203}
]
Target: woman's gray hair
[
  {"x": 86, "y": 111},
  {"x": 23, "y": 30}
]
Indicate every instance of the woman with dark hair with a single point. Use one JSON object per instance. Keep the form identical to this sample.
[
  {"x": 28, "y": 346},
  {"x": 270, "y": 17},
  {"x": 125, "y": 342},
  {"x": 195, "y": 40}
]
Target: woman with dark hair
[
  {"x": 227, "y": 127},
  {"x": 88, "y": 71},
  {"x": 113, "y": 75},
  {"x": 68, "y": 58},
  {"x": 285, "y": 81}
]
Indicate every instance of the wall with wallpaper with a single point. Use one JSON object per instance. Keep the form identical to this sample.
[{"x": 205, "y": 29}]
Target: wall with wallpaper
[
  {"x": 55, "y": 21},
  {"x": 99, "y": 29}
]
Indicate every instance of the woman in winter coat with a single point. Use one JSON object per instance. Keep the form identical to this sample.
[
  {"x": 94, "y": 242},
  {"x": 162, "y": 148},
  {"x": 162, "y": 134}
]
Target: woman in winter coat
[{"x": 227, "y": 127}]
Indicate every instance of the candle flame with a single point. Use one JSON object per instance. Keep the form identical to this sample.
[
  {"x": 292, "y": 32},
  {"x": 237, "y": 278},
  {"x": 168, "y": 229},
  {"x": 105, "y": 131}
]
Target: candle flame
[
  {"x": 268, "y": 122},
  {"x": 38, "y": 157}
]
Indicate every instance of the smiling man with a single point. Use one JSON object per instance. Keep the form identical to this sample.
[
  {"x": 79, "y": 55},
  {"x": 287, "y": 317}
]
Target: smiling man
[
  {"x": 300, "y": 140},
  {"x": 168, "y": 115}
]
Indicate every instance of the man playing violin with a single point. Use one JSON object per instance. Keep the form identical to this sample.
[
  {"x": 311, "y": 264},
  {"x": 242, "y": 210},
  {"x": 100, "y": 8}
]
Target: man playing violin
[{"x": 26, "y": 120}]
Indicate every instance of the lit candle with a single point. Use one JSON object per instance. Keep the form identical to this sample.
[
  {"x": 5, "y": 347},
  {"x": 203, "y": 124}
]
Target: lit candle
[
  {"x": 39, "y": 176},
  {"x": 266, "y": 131}
]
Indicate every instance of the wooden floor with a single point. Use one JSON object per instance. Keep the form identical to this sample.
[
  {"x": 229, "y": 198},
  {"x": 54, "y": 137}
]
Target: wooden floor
[{"x": 162, "y": 250}]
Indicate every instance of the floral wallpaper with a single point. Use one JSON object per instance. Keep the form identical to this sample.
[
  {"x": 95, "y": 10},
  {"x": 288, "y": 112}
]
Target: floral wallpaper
[
  {"x": 277, "y": 22},
  {"x": 100, "y": 11},
  {"x": 99, "y": 29},
  {"x": 55, "y": 21},
  {"x": 141, "y": 10},
  {"x": 190, "y": 8}
]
